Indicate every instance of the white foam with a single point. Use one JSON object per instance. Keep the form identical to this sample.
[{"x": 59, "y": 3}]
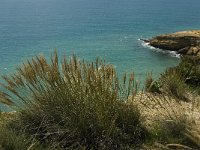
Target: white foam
[
  {"x": 171, "y": 53},
  {"x": 146, "y": 45}
]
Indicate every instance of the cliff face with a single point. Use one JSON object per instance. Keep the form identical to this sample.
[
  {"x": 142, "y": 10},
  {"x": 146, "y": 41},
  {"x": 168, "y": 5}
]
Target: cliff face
[{"x": 185, "y": 42}]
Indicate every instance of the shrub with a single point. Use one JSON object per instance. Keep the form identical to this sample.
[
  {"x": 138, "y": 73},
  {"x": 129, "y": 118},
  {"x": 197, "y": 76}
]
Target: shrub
[
  {"x": 188, "y": 71},
  {"x": 173, "y": 85},
  {"x": 178, "y": 81},
  {"x": 193, "y": 134},
  {"x": 11, "y": 139},
  {"x": 152, "y": 85},
  {"x": 74, "y": 104},
  {"x": 178, "y": 124}
]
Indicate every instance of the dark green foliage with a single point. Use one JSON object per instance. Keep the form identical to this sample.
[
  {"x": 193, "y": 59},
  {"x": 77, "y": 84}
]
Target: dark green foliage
[
  {"x": 10, "y": 140},
  {"x": 175, "y": 131},
  {"x": 152, "y": 85},
  {"x": 79, "y": 105},
  {"x": 176, "y": 124},
  {"x": 171, "y": 131},
  {"x": 74, "y": 105},
  {"x": 174, "y": 86},
  {"x": 189, "y": 70},
  {"x": 180, "y": 80}
]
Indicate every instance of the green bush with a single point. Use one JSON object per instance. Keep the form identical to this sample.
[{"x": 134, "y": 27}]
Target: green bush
[
  {"x": 172, "y": 85},
  {"x": 12, "y": 139},
  {"x": 152, "y": 85},
  {"x": 193, "y": 135},
  {"x": 176, "y": 127},
  {"x": 172, "y": 131},
  {"x": 188, "y": 71},
  {"x": 9, "y": 140},
  {"x": 74, "y": 104},
  {"x": 178, "y": 81}
]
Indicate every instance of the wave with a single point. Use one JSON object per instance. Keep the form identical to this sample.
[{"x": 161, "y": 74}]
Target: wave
[
  {"x": 3, "y": 68},
  {"x": 168, "y": 52}
]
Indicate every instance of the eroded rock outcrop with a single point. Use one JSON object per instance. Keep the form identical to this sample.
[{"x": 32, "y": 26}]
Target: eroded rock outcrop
[{"x": 185, "y": 42}]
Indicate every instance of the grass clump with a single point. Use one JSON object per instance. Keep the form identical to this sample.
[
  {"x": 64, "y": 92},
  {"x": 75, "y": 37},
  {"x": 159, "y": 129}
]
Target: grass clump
[
  {"x": 152, "y": 85},
  {"x": 193, "y": 134},
  {"x": 174, "y": 124},
  {"x": 74, "y": 104},
  {"x": 189, "y": 71},
  {"x": 12, "y": 139},
  {"x": 179, "y": 82},
  {"x": 174, "y": 86}
]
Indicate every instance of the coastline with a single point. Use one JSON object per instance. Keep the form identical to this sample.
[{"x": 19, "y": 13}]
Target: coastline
[
  {"x": 146, "y": 44},
  {"x": 183, "y": 42}
]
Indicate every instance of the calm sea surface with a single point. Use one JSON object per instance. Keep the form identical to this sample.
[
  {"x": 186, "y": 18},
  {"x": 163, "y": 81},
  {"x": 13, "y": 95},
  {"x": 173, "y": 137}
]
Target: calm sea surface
[{"x": 93, "y": 28}]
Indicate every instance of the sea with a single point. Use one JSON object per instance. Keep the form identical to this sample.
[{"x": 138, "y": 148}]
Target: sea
[{"x": 109, "y": 29}]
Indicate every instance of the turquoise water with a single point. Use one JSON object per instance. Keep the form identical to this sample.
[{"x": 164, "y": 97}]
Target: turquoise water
[{"x": 93, "y": 28}]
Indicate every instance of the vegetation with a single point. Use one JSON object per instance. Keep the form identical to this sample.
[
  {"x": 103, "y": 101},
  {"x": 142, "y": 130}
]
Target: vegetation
[
  {"x": 180, "y": 81},
  {"x": 76, "y": 106},
  {"x": 72, "y": 104},
  {"x": 175, "y": 122},
  {"x": 178, "y": 103},
  {"x": 12, "y": 139},
  {"x": 151, "y": 85}
]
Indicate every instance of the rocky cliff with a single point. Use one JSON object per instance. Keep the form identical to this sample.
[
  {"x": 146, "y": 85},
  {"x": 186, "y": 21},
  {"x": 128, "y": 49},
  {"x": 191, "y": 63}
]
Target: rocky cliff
[{"x": 185, "y": 42}]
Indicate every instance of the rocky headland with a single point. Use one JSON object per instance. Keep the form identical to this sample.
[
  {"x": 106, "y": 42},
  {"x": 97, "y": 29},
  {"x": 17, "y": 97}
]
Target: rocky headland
[{"x": 184, "y": 42}]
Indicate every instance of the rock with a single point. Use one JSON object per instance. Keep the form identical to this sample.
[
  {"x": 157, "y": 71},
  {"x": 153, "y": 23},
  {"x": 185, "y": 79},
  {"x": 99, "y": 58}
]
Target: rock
[
  {"x": 184, "y": 42},
  {"x": 193, "y": 50},
  {"x": 183, "y": 50}
]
